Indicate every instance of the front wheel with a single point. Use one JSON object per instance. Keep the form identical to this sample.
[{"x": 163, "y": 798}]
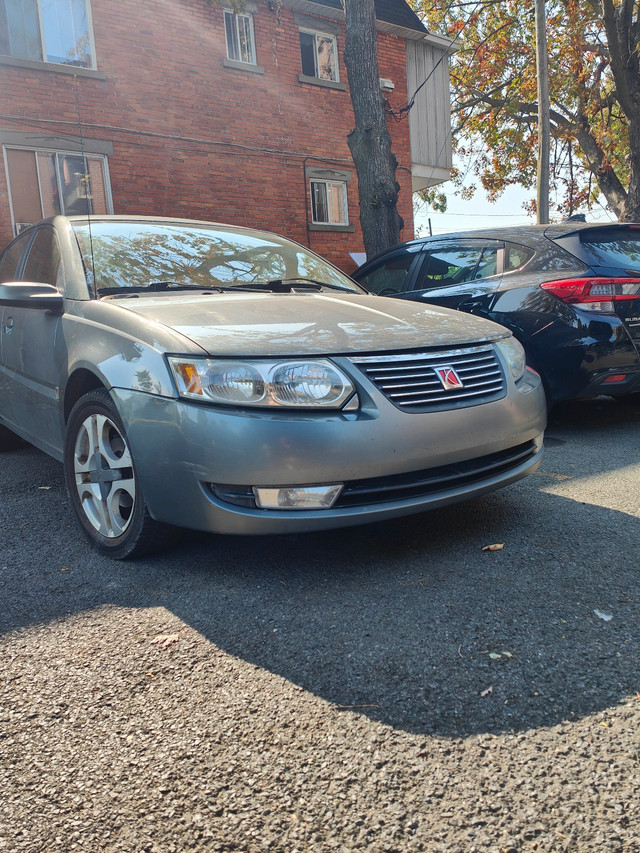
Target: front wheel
[{"x": 101, "y": 479}]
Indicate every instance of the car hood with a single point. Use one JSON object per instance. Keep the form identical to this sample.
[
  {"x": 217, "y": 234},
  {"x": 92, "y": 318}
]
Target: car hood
[{"x": 257, "y": 324}]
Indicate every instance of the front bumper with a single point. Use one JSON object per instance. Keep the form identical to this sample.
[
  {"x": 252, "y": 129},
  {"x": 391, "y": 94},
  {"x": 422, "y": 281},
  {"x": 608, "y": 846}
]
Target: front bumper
[{"x": 180, "y": 449}]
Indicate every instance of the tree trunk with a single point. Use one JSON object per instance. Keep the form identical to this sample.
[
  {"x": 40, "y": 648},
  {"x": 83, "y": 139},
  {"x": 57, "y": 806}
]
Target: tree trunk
[{"x": 369, "y": 141}]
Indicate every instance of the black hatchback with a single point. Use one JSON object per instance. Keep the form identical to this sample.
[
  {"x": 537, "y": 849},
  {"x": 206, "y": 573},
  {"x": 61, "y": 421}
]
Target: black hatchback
[{"x": 569, "y": 292}]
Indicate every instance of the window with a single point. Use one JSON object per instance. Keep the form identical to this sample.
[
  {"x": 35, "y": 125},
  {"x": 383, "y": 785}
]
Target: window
[
  {"x": 240, "y": 40},
  {"x": 318, "y": 53},
  {"x": 516, "y": 257},
  {"x": 46, "y": 183},
  {"x": 47, "y": 30},
  {"x": 329, "y": 202},
  {"x": 457, "y": 264},
  {"x": 10, "y": 260},
  {"x": 390, "y": 276},
  {"x": 43, "y": 260}
]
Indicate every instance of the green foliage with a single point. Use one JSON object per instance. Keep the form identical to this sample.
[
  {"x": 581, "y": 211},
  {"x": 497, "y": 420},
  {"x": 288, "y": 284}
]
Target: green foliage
[{"x": 494, "y": 90}]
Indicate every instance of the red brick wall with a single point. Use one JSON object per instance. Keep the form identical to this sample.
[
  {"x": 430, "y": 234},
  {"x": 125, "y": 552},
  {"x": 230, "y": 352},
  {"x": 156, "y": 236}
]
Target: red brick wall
[{"x": 194, "y": 139}]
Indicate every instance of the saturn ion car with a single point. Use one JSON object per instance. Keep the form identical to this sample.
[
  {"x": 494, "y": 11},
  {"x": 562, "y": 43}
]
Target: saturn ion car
[{"x": 197, "y": 375}]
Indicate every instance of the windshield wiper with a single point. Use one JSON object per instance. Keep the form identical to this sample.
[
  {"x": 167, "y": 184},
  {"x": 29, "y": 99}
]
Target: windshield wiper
[
  {"x": 156, "y": 287},
  {"x": 286, "y": 285},
  {"x": 277, "y": 285}
]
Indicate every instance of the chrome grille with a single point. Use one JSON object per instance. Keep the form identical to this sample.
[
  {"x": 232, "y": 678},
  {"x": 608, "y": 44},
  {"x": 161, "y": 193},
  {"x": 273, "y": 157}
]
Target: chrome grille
[{"x": 410, "y": 382}]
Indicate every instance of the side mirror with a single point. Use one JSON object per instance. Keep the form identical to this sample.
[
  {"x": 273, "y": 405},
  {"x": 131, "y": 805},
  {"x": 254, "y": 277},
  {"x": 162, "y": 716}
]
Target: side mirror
[{"x": 29, "y": 294}]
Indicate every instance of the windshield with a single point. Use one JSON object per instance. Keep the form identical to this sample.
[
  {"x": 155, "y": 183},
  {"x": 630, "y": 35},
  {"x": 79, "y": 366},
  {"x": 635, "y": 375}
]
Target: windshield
[
  {"x": 614, "y": 248},
  {"x": 137, "y": 255}
]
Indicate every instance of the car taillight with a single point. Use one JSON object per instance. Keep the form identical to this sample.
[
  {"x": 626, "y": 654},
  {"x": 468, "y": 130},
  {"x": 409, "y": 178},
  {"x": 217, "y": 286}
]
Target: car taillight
[{"x": 595, "y": 294}]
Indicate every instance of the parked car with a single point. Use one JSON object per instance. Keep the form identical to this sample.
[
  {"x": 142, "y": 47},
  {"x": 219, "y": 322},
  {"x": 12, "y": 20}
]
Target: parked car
[
  {"x": 229, "y": 380},
  {"x": 570, "y": 293}
]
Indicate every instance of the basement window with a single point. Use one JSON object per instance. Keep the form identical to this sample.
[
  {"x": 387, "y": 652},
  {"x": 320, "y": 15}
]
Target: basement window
[{"x": 329, "y": 202}]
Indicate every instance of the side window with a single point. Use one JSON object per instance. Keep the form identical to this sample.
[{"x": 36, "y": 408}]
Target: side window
[
  {"x": 391, "y": 275},
  {"x": 453, "y": 264},
  {"x": 10, "y": 260},
  {"x": 516, "y": 257},
  {"x": 43, "y": 260}
]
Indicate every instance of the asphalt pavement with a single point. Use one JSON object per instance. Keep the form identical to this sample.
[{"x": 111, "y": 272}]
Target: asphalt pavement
[{"x": 385, "y": 688}]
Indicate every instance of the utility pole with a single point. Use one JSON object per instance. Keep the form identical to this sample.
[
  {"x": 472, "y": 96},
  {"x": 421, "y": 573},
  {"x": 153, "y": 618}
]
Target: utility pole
[{"x": 544, "y": 130}]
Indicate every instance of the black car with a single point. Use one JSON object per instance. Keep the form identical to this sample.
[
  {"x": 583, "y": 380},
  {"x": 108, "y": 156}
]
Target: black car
[{"x": 569, "y": 292}]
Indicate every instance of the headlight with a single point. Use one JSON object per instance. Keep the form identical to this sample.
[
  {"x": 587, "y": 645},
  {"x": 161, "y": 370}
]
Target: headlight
[
  {"x": 513, "y": 352},
  {"x": 310, "y": 384}
]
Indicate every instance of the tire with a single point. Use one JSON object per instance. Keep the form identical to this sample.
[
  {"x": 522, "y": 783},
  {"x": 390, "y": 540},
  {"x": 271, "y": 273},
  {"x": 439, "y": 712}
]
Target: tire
[
  {"x": 101, "y": 480},
  {"x": 9, "y": 440}
]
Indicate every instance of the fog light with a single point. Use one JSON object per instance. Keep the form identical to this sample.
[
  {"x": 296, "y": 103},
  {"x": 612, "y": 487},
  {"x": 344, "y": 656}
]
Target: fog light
[{"x": 297, "y": 497}]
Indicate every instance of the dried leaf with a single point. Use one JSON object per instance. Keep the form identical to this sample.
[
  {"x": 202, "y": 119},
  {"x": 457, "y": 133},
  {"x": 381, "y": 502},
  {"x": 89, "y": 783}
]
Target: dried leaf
[
  {"x": 497, "y": 547},
  {"x": 486, "y": 692},
  {"x": 65, "y": 569},
  {"x": 164, "y": 640},
  {"x": 495, "y": 655}
]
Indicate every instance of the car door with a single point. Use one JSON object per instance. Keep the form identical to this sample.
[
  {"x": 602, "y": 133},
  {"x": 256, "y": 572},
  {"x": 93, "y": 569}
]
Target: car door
[
  {"x": 10, "y": 265},
  {"x": 32, "y": 350},
  {"x": 463, "y": 274}
]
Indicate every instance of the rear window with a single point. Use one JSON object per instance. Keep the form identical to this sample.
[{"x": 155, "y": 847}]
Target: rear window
[{"x": 617, "y": 248}]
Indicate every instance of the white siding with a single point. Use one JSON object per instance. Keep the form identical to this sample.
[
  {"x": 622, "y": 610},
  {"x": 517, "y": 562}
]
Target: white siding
[{"x": 429, "y": 118}]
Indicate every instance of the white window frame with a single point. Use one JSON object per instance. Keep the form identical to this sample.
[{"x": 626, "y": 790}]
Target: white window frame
[
  {"x": 18, "y": 226},
  {"x": 235, "y": 18},
  {"x": 43, "y": 42},
  {"x": 345, "y": 206},
  {"x": 324, "y": 35}
]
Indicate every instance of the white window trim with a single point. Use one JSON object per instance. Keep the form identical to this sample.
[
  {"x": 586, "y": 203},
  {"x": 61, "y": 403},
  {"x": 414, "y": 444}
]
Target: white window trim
[
  {"x": 345, "y": 203},
  {"x": 235, "y": 16},
  {"x": 326, "y": 35},
  {"x": 40, "y": 150}
]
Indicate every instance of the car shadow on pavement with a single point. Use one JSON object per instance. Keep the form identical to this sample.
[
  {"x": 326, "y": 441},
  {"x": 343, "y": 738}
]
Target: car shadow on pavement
[{"x": 410, "y": 622}]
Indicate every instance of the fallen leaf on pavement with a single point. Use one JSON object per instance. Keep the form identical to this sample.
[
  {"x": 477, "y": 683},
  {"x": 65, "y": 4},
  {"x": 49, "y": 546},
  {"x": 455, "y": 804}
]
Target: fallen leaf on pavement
[
  {"x": 486, "y": 692},
  {"x": 498, "y": 547},
  {"x": 164, "y": 640}
]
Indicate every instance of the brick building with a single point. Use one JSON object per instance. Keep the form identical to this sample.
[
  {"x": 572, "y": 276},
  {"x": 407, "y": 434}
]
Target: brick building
[{"x": 195, "y": 108}]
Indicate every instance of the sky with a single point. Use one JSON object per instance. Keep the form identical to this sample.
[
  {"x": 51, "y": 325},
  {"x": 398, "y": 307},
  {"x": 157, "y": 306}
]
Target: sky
[{"x": 480, "y": 213}]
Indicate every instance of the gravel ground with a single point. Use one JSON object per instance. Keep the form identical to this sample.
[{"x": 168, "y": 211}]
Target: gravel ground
[{"x": 387, "y": 688}]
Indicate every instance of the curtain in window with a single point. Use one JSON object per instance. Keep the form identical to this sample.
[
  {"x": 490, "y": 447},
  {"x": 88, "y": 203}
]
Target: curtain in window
[{"x": 20, "y": 29}]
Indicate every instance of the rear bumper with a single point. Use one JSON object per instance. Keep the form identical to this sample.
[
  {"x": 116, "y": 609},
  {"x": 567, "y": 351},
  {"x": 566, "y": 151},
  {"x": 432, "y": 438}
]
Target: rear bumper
[
  {"x": 615, "y": 382},
  {"x": 577, "y": 359}
]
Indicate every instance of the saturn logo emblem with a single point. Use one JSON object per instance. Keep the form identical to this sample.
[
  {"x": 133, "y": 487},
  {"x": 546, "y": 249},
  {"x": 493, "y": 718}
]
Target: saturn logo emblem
[{"x": 449, "y": 378}]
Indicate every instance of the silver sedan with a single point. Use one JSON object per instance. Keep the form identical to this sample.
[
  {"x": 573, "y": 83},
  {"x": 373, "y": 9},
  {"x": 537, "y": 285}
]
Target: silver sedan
[{"x": 197, "y": 375}]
